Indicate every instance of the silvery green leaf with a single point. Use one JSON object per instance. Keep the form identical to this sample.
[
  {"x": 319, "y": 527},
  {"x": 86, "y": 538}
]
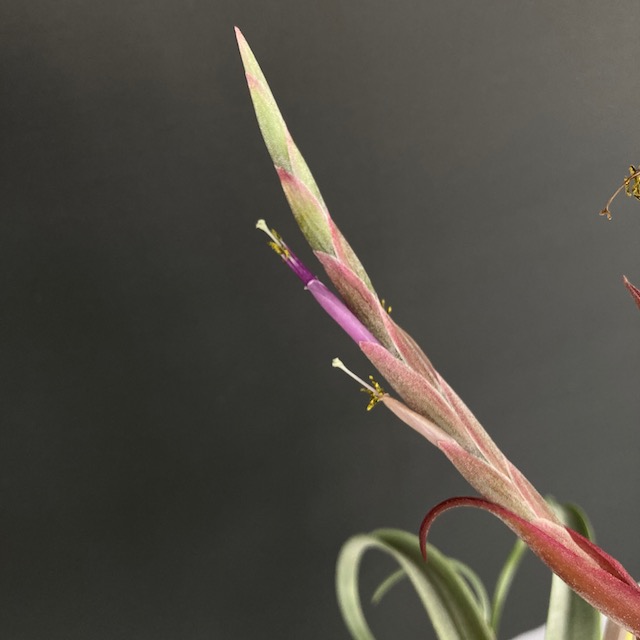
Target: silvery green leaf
[
  {"x": 504, "y": 581},
  {"x": 449, "y": 602}
]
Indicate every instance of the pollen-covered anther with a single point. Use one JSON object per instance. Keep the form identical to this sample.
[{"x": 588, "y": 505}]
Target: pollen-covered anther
[
  {"x": 373, "y": 390},
  {"x": 387, "y": 308},
  {"x": 375, "y": 394},
  {"x": 276, "y": 242},
  {"x": 632, "y": 183}
]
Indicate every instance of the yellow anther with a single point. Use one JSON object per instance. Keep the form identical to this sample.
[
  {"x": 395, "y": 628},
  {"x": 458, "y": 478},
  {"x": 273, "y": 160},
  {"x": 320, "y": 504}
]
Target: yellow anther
[
  {"x": 374, "y": 390},
  {"x": 388, "y": 309},
  {"x": 276, "y": 242},
  {"x": 375, "y": 394},
  {"x": 281, "y": 249},
  {"x": 632, "y": 183},
  {"x": 631, "y": 186}
]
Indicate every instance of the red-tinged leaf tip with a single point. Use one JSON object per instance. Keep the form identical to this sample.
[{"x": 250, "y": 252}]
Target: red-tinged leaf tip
[
  {"x": 438, "y": 510},
  {"x": 634, "y": 291},
  {"x": 594, "y": 575},
  {"x": 240, "y": 39}
]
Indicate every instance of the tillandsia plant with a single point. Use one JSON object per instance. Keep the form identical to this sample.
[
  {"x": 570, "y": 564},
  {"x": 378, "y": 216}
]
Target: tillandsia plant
[{"x": 430, "y": 406}]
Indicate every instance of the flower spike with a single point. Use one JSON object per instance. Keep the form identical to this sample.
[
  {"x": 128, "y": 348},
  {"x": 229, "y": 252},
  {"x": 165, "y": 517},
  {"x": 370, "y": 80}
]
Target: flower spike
[{"x": 429, "y": 405}]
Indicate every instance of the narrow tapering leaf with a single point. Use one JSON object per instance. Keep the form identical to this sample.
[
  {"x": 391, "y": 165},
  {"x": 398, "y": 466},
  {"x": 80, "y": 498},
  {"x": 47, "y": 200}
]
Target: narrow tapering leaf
[
  {"x": 387, "y": 584},
  {"x": 447, "y": 599},
  {"x": 476, "y": 584},
  {"x": 504, "y": 582}
]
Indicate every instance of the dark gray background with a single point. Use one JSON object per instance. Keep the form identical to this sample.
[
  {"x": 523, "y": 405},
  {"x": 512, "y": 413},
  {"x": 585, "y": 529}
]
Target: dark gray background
[{"x": 178, "y": 459}]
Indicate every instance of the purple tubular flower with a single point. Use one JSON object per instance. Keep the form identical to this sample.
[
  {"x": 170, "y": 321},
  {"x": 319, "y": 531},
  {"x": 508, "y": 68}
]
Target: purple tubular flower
[
  {"x": 295, "y": 264},
  {"x": 337, "y": 309}
]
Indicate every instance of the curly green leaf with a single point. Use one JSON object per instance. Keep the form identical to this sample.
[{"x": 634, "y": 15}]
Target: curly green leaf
[{"x": 449, "y": 602}]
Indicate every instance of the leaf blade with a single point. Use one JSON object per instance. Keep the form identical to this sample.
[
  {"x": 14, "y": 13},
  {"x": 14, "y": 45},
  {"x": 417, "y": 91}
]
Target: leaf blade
[
  {"x": 449, "y": 602},
  {"x": 504, "y": 582}
]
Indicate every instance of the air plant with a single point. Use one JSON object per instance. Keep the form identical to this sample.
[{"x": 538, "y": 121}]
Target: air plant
[{"x": 456, "y": 603}]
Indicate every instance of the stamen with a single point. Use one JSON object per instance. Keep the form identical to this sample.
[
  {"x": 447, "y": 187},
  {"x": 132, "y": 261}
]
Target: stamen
[
  {"x": 338, "y": 364},
  {"x": 387, "y": 308},
  {"x": 631, "y": 186},
  {"x": 277, "y": 243},
  {"x": 634, "y": 178},
  {"x": 374, "y": 392}
]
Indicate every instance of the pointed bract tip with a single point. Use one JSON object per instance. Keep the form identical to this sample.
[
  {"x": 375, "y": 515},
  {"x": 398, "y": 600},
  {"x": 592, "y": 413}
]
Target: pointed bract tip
[
  {"x": 243, "y": 46},
  {"x": 633, "y": 290}
]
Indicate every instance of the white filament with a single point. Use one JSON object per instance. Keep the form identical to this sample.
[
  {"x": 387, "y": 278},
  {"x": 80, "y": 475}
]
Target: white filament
[{"x": 338, "y": 364}]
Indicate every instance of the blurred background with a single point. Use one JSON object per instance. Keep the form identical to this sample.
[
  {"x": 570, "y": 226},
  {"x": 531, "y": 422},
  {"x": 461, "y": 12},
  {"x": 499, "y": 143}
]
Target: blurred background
[{"x": 178, "y": 459}]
